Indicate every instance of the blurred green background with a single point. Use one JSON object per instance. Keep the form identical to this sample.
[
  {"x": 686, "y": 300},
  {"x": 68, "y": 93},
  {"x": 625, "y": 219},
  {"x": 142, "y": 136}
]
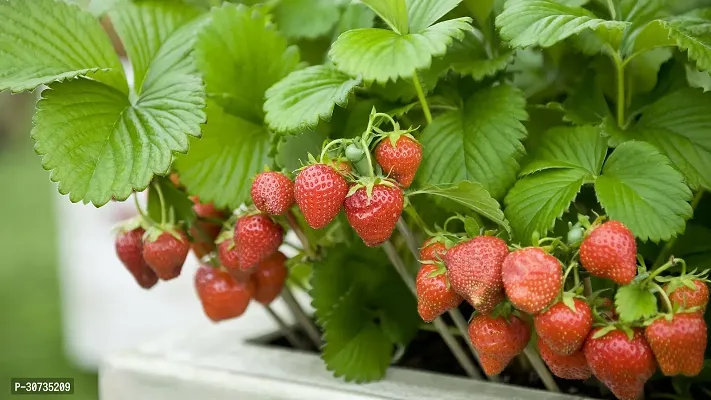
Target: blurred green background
[{"x": 31, "y": 337}]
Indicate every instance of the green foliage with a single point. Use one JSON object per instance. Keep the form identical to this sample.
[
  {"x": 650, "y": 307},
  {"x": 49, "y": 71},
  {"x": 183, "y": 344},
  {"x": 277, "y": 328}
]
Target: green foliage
[
  {"x": 364, "y": 308},
  {"x": 635, "y": 302},
  {"x": 322, "y": 16}
]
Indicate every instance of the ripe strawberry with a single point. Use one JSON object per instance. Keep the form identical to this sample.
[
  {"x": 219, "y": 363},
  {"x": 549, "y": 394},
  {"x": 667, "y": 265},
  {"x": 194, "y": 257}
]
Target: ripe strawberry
[
  {"x": 572, "y": 366},
  {"x": 273, "y": 193},
  {"x": 497, "y": 340},
  {"x": 434, "y": 294},
  {"x": 374, "y": 217},
  {"x": 166, "y": 253},
  {"x": 687, "y": 297},
  {"x": 474, "y": 269},
  {"x": 222, "y": 296},
  {"x": 679, "y": 344},
  {"x": 129, "y": 248},
  {"x": 256, "y": 238},
  {"x": 609, "y": 251},
  {"x": 563, "y": 329},
  {"x": 229, "y": 257},
  {"x": 399, "y": 156},
  {"x": 204, "y": 233},
  {"x": 319, "y": 192},
  {"x": 269, "y": 278},
  {"x": 623, "y": 365},
  {"x": 342, "y": 166},
  {"x": 532, "y": 279},
  {"x": 432, "y": 250}
]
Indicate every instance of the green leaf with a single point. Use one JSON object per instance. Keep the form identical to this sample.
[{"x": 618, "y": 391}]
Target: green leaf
[
  {"x": 642, "y": 11},
  {"x": 364, "y": 308},
  {"x": 635, "y": 302},
  {"x": 544, "y": 23},
  {"x": 468, "y": 57},
  {"x": 231, "y": 152},
  {"x": 690, "y": 33},
  {"x": 423, "y": 13},
  {"x": 99, "y": 144},
  {"x": 580, "y": 148},
  {"x": 481, "y": 142},
  {"x": 536, "y": 201},
  {"x": 473, "y": 196},
  {"x": 306, "y": 96},
  {"x": 175, "y": 199},
  {"x": 639, "y": 188},
  {"x": 393, "y": 12},
  {"x": 679, "y": 125},
  {"x": 698, "y": 79},
  {"x": 356, "y": 15},
  {"x": 471, "y": 226},
  {"x": 481, "y": 9},
  {"x": 306, "y": 18},
  {"x": 45, "y": 41},
  {"x": 241, "y": 55},
  {"x": 144, "y": 26},
  {"x": 293, "y": 150},
  {"x": 381, "y": 55}
]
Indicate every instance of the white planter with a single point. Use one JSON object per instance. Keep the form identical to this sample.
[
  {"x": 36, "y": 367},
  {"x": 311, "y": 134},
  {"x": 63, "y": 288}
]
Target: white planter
[{"x": 219, "y": 364}]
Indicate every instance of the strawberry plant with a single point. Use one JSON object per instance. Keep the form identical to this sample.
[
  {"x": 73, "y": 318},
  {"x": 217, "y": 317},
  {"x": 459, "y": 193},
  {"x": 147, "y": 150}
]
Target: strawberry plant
[{"x": 532, "y": 159}]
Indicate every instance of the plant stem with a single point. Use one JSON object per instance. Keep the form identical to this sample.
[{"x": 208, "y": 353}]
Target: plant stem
[
  {"x": 409, "y": 237},
  {"x": 611, "y": 6},
  {"x": 621, "y": 100},
  {"x": 668, "y": 247},
  {"x": 662, "y": 293},
  {"x": 541, "y": 369},
  {"x": 294, "y": 224},
  {"x": 587, "y": 285},
  {"x": 422, "y": 98},
  {"x": 306, "y": 324},
  {"x": 286, "y": 331},
  {"x": 441, "y": 327},
  {"x": 162, "y": 203},
  {"x": 140, "y": 210}
]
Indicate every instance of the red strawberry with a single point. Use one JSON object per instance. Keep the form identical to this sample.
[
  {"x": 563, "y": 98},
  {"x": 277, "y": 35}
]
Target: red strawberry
[
  {"x": 229, "y": 258},
  {"x": 222, "y": 296},
  {"x": 687, "y": 297},
  {"x": 563, "y": 329},
  {"x": 374, "y": 217},
  {"x": 273, "y": 193},
  {"x": 399, "y": 157},
  {"x": 532, "y": 279},
  {"x": 343, "y": 167},
  {"x": 129, "y": 248},
  {"x": 432, "y": 250},
  {"x": 204, "y": 233},
  {"x": 609, "y": 251},
  {"x": 497, "y": 340},
  {"x": 269, "y": 278},
  {"x": 319, "y": 192},
  {"x": 572, "y": 366},
  {"x": 166, "y": 253},
  {"x": 623, "y": 365},
  {"x": 256, "y": 238},
  {"x": 434, "y": 294},
  {"x": 679, "y": 344},
  {"x": 606, "y": 307},
  {"x": 474, "y": 269}
]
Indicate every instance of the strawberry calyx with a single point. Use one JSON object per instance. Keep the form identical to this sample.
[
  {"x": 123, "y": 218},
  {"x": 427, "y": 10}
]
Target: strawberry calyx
[
  {"x": 369, "y": 182},
  {"x": 226, "y": 234},
  {"x": 441, "y": 269},
  {"x": 131, "y": 224},
  {"x": 153, "y": 232},
  {"x": 504, "y": 309},
  {"x": 607, "y": 328}
]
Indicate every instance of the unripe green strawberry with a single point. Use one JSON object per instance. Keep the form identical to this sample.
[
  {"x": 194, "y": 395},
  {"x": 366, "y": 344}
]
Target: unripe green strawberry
[
  {"x": 623, "y": 365},
  {"x": 571, "y": 366},
  {"x": 563, "y": 329},
  {"x": 610, "y": 251},
  {"x": 679, "y": 344},
  {"x": 532, "y": 279},
  {"x": 474, "y": 269}
]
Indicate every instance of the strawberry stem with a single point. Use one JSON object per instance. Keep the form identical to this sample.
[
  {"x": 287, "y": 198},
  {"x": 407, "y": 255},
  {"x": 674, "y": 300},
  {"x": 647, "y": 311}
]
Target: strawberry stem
[
  {"x": 162, "y": 202},
  {"x": 285, "y": 330},
  {"x": 422, "y": 98},
  {"x": 294, "y": 224},
  {"x": 327, "y": 147},
  {"x": 661, "y": 269},
  {"x": 665, "y": 297},
  {"x": 301, "y": 317},
  {"x": 141, "y": 212},
  {"x": 587, "y": 285},
  {"x": 541, "y": 369}
]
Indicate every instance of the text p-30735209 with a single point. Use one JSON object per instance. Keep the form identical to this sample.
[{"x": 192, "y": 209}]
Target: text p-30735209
[{"x": 42, "y": 386}]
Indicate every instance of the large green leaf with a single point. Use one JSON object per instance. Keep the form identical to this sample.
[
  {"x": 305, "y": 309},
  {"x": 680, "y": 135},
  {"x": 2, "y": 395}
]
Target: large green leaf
[
  {"x": 101, "y": 144},
  {"x": 481, "y": 142},
  {"x": 473, "y": 196},
  {"x": 564, "y": 160},
  {"x": 481, "y": 9},
  {"x": 690, "y": 33},
  {"x": 381, "y": 55},
  {"x": 45, "y": 41},
  {"x": 306, "y": 18},
  {"x": 241, "y": 55},
  {"x": 544, "y": 23},
  {"x": 679, "y": 125},
  {"x": 219, "y": 167},
  {"x": 393, "y": 12},
  {"x": 640, "y": 188},
  {"x": 306, "y": 96},
  {"x": 423, "y": 13},
  {"x": 364, "y": 309},
  {"x": 292, "y": 151},
  {"x": 355, "y": 16},
  {"x": 468, "y": 57},
  {"x": 144, "y": 26}
]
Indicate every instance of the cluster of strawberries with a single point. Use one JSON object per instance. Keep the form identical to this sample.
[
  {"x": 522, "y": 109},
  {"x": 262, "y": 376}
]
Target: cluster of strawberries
[{"x": 577, "y": 336}]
